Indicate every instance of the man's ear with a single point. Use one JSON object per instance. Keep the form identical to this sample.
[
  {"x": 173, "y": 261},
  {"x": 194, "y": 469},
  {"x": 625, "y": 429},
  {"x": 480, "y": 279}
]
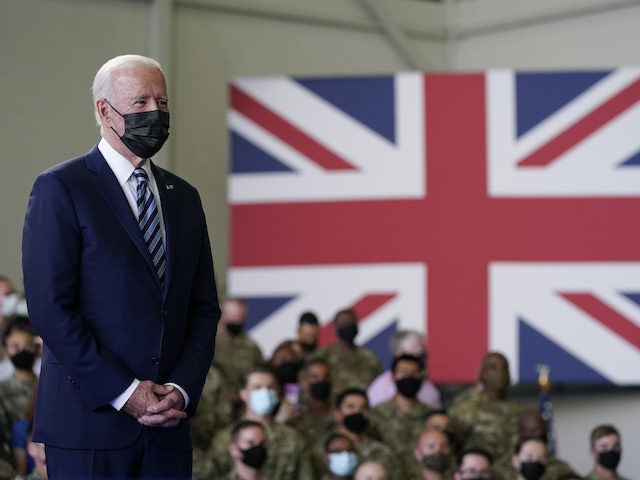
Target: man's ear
[
  {"x": 337, "y": 416},
  {"x": 105, "y": 112},
  {"x": 418, "y": 454},
  {"x": 234, "y": 451}
]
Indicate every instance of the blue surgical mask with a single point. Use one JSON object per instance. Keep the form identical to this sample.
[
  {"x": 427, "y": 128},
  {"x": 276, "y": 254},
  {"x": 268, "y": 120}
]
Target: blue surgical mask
[
  {"x": 343, "y": 463},
  {"x": 263, "y": 401}
]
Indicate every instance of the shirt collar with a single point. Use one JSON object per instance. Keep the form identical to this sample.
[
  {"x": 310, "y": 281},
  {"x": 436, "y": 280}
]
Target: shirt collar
[{"x": 120, "y": 166}]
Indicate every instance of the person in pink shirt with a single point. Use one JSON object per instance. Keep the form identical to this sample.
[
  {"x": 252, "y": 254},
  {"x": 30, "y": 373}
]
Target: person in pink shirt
[{"x": 383, "y": 388}]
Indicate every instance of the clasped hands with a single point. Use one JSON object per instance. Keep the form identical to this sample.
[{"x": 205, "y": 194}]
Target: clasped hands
[{"x": 156, "y": 405}]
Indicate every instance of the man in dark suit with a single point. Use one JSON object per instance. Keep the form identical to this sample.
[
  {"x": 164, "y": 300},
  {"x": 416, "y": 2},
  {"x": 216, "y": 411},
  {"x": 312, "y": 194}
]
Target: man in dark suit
[{"x": 119, "y": 281}]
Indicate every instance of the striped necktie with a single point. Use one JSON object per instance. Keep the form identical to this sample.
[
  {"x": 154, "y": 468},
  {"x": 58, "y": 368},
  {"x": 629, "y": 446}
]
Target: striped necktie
[{"x": 149, "y": 222}]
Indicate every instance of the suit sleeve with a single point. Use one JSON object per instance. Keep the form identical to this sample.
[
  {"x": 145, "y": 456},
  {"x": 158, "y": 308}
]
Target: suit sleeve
[
  {"x": 190, "y": 371},
  {"x": 51, "y": 255}
]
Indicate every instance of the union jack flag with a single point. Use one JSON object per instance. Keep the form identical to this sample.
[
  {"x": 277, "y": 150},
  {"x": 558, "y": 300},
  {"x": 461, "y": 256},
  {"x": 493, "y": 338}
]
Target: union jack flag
[{"x": 493, "y": 211}]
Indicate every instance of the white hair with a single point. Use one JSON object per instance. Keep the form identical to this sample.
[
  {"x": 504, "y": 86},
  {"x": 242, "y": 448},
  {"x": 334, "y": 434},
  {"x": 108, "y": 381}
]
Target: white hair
[
  {"x": 402, "y": 338},
  {"x": 104, "y": 81}
]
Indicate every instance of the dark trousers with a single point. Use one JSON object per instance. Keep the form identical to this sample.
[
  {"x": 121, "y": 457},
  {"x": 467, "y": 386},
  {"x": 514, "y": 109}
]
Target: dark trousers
[{"x": 144, "y": 459}]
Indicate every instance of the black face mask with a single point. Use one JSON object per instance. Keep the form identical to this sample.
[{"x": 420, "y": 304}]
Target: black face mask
[
  {"x": 23, "y": 360},
  {"x": 144, "y": 132},
  {"x": 408, "y": 387},
  {"x": 320, "y": 390},
  {"x": 348, "y": 334},
  {"x": 609, "y": 459},
  {"x": 234, "y": 328},
  {"x": 308, "y": 347},
  {"x": 532, "y": 470},
  {"x": 436, "y": 462},
  {"x": 287, "y": 372},
  {"x": 255, "y": 456},
  {"x": 356, "y": 422}
]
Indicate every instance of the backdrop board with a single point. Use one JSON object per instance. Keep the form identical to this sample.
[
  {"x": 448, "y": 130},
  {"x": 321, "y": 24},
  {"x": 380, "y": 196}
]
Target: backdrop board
[{"x": 491, "y": 210}]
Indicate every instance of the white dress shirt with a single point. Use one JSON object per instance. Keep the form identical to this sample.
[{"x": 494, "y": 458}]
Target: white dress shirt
[{"x": 123, "y": 170}]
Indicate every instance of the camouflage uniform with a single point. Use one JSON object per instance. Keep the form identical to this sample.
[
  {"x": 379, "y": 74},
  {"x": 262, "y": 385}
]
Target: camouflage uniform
[
  {"x": 399, "y": 430},
  {"x": 215, "y": 409},
  {"x": 486, "y": 423},
  {"x": 202, "y": 464},
  {"x": 234, "y": 476},
  {"x": 371, "y": 449},
  {"x": 311, "y": 427},
  {"x": 350, "y": 367},
  {"x": 6, "y": 471},
  {"x": 236, "y": 354},
  {"x": 503, "y": 469},
  {"x": 415, "y": 471},
  {"x": 5, "y": 447},
  {"x": 594, "y": 476},
  {"x": 15, "y": 397},
  {"x": 287, "y": 458}
]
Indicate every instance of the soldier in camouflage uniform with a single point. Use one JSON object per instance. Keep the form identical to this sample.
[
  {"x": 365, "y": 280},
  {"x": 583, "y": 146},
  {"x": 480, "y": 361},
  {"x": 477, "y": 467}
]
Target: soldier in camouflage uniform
[
  {"x": 340, "y": 458},
  {"x": 286, "y": 362},
  {"x": 287, "y": 458},
  {"x": 530, "y": 458},
  {"x": 486, "y": 416},
  {"x": 400, "y": 420},
  {"x": 532, "y": 425},
  {"x": 606, "y": 450},
  {"x": 351, "y": 419},
  {"x": 315, "y": 418},
  {"x": 308, "y": 334},
  {"x": 16, "y": 392},
  {"x": 236, "y": 352},
  {"x": 215, "y": 410},
  {"x": 433, "y": 456},
  {"x": 474, "y": 463},
  {"x": 351, "y": 365},
  {"x": 249, "y": 450}
]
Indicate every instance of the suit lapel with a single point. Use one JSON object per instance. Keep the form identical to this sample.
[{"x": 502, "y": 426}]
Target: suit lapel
[
  {"x": 169, "y": 215},
  {"x": 107, "y": 184}
]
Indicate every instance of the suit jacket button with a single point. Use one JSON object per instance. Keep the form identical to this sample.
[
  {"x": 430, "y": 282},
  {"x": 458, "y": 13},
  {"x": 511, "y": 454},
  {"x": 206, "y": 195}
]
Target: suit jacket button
[{"x": 155, "y": 360}]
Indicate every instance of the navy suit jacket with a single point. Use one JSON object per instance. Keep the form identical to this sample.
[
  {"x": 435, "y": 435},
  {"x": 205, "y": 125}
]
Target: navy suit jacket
[{"x": 96, "y": 300}]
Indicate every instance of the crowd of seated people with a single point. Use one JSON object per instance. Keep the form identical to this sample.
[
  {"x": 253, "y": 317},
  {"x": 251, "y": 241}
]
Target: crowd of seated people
[
  {"x": 327, "y": 411},
  {"x": 312, "y": 412}
]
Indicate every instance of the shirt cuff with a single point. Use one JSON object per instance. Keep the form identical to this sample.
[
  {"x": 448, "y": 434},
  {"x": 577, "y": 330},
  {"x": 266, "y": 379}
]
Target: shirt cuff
[
  {"x": 182, "y": 391},
  {"x": 121, "y": 399}
]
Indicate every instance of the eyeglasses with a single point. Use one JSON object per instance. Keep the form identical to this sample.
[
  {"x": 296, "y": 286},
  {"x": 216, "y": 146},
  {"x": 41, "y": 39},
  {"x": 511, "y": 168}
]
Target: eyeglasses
[{"x": 472, "y": 473}]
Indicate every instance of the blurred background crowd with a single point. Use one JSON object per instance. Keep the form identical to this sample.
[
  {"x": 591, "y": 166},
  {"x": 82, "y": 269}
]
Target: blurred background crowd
[{"x": 330, "y": 412}]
